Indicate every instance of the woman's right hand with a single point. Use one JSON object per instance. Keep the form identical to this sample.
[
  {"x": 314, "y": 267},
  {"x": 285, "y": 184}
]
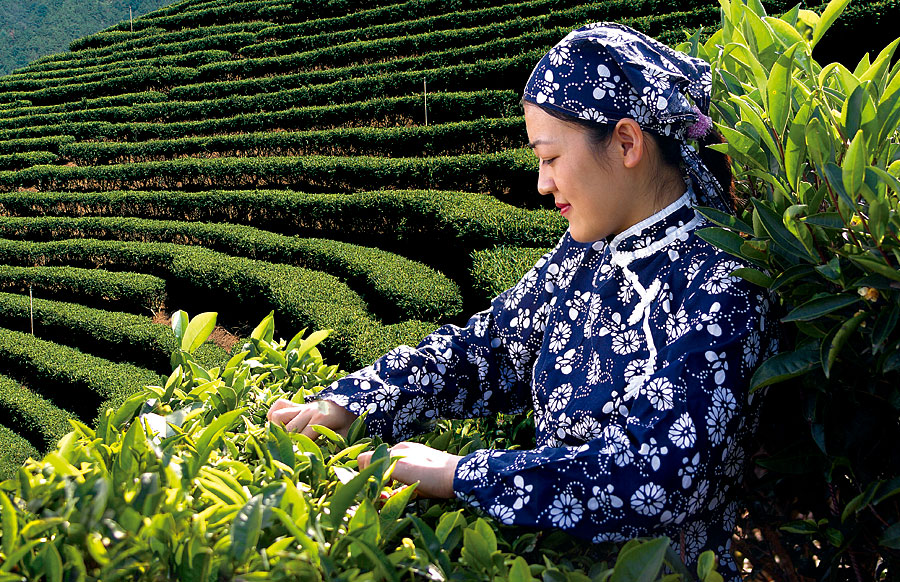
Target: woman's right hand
[{"x": 300, "y": 417}]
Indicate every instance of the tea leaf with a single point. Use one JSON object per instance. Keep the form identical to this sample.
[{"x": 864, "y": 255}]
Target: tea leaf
[
  {"x": 265, "y": 331},
  {"x": 785, "y": 366},
  {"x": 198, "y": 330},
  {"x": 778, "y": 90},
  {"x": 346, "y": 493},
  {"x": 640, "y": 563},
  {"x": 10, "y": 524},
  {"x": 837, "y": 342},
  {"x": 819, "y": 307},
  {"x": 179, "y": 324},
  {"x": 519, "y": 571},
  {"x": 246, "y": 528},
  {"x": 827, "y": 18}
]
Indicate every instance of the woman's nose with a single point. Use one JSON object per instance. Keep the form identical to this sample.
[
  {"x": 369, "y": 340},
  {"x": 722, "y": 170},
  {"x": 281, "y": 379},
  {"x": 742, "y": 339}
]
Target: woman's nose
[{"x": 545, "y": 183}]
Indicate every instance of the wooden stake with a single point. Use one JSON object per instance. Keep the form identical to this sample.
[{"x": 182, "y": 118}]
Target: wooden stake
[
  {"x": 425, "y": 85},
  {"x": 31, "y": 299}
]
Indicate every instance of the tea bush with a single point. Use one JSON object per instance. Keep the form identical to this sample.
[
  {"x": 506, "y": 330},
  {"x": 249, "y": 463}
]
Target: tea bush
[
  {"x": 816, "y": 152},
  {"x": 187, "y": 480},
  {"x": 394, "y": 287},
  {"x": 131, "y": 292},
  {"x": 110, "y": 334},
  {"x": 496, "y": 270}
]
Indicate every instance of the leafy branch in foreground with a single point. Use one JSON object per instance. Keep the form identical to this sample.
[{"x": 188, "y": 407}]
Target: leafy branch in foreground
[
  {"x": 816, "y": 155},
  {"x": 189, "y": 481}
]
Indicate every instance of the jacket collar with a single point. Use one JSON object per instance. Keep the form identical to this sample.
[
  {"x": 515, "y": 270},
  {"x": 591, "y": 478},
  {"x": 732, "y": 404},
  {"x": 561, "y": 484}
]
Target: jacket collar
[{"x": 656, "y": 231}]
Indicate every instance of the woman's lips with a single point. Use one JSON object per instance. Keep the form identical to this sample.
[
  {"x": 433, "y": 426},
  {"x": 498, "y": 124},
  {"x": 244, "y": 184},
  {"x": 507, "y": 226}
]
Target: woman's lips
[{"x": 563, "y": 208}]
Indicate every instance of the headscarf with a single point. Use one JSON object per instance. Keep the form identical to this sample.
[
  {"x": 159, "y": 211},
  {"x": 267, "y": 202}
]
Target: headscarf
[{"x": 605, "y": 72}]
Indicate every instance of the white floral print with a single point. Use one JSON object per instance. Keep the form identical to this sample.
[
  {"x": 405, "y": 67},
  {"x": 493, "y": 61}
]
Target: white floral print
[{"x": 565, "y": 511}]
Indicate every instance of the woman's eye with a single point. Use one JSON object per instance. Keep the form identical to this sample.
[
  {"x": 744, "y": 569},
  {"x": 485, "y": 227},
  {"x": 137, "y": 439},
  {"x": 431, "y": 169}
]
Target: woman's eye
[{"x": 547, "y": 161}]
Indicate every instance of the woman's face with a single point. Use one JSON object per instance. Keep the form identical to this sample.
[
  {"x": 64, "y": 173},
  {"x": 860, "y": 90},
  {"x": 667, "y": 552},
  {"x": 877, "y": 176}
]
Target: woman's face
[{"x": 594, "y": 191}]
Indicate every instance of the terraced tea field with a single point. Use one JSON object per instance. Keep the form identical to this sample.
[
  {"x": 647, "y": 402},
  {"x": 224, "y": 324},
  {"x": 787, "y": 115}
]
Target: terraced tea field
[{"x": 357, "y": 166}]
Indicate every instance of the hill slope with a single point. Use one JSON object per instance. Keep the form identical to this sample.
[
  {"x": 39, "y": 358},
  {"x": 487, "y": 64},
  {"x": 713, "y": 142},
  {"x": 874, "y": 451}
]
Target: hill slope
[{"x": 351, "y": 165}]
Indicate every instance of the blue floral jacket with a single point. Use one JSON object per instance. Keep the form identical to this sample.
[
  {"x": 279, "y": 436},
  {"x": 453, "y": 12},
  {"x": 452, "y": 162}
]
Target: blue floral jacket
[{"x": 635, "y": 355}]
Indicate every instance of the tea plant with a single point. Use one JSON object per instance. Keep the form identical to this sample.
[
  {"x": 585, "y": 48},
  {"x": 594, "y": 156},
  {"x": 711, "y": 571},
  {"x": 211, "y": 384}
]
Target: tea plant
[
  {"x": 816, "y": 154},
  {"x": 189, "y": 481}
]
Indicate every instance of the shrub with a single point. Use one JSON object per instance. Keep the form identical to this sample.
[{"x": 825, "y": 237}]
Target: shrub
[
  {"x": 109, "y": 334},
  {"x": 496, "y": 270},
  {"x": 132, "y": 292},
  {"x": 305, "y": 299},
  {"x": 187, "y": 480},
  {"x": 75, "y": 381},
  {"x": 34, "y": 418},
  {"x": 815, "y": 149},
  {"x": 406, "y": 221},
  {"x": 393, "y": 286},
  {"x": 495, "y": 173},
  {"x": 14, "y": 451}
]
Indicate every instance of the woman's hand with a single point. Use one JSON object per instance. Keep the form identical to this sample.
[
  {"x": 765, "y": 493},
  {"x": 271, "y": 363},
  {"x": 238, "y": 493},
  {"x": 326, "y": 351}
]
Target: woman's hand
[
  {"x": 299, "y": 417},
  {"x": 433, "y": 469}
]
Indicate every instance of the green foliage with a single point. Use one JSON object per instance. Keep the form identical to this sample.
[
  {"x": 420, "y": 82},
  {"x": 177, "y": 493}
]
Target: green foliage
[
  {"x": 78, "y": 382},
  {"x": 496, "y": 270},
  {"x": 447, "y": 138},
  {"x": 132, "y": 292},
  {"x": 110, "y": 334},
  {"x": 303, "y": 298},
  {"x": 495, "y": 173},
  {"x": 188, "y": 480},
  {"x": 32, "y": 416},
  {"x": 14, "y": 451},
  {"x": 144, "y": 116},
  {"x": 815, "y": 147},
  {"x": 394, "y": 287}
]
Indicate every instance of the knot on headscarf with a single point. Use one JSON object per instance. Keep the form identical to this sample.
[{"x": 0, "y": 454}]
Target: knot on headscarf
[{"x": 604, "y": 72}]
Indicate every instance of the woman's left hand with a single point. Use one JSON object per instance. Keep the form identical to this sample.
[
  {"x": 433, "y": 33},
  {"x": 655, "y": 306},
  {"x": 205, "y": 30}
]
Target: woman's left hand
[{"x": 433, "y": 469}]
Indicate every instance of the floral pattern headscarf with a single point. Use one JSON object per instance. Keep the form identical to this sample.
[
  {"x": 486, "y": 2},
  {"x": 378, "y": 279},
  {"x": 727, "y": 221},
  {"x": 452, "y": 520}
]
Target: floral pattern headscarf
[{"x": 605, "y": 72}]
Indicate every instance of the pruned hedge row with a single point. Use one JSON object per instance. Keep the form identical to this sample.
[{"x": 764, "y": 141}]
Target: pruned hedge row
[
  {"x": 48, "y": 144},
  {"x": 426, "y": 50},
  {"x": 112, "y": 335},
  {"x": 419, "y": 17},
  {"x": 495, "y": 270},
  {"x": 123, "y": 291},
  {"x": 14, "y": 451},
  {"x": 81, "y": 74},
  {"x": 84, "y": 384},
  {"x": 130, "y": 44},
  {"x": 125, "y": 101},
  {"x": 466, "y": 137},
  {"x": 33, "y": 417},
  {"x": 265, "y": 112},
  {"x": 493, "y": 173},
  {"x": 225, "y": 13},
  {"x": 18, "y": 161},
  {"x": 139, "y": 79},
  {"x": 394, "y": 287},
  {"x": 393, "y": 219},
  {"x": 500, "y": 73},
  {"x": 303, "y": 299}
]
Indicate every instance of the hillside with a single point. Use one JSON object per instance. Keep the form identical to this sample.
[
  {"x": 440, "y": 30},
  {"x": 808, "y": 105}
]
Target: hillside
[
  {"x": 263, "y": 155},
  {"x": 31, "y": 29}
]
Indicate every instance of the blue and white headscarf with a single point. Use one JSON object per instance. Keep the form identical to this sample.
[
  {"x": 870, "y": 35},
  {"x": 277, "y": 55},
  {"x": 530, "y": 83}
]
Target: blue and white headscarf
[{"x": 605, "y": 72}]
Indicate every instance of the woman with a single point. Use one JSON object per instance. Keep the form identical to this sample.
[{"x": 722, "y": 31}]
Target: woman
[{"x": 631, "y": 340}]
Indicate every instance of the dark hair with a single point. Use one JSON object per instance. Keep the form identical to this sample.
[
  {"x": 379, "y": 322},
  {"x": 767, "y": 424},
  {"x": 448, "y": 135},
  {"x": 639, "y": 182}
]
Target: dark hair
[{"x": 599, "y": 135}]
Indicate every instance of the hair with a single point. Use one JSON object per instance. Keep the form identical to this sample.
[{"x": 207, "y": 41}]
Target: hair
[{"x": 600, "y": 134}]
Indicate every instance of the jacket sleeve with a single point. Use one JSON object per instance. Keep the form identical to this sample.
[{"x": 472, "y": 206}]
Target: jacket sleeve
[
  {"x": 455, "y": 372},
  {"x": 672, "y": 455}
]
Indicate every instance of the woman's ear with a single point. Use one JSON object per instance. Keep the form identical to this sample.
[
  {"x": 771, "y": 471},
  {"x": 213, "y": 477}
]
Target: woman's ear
[{"x": 629, "y": 139}]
